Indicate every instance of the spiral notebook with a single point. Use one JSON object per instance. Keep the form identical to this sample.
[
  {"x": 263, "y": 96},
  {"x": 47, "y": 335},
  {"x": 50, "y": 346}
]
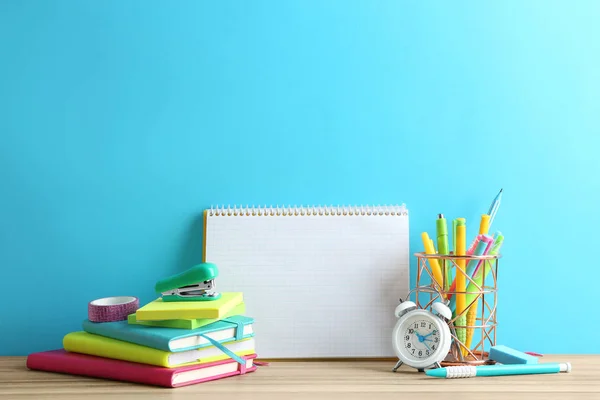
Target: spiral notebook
[{"x": 320, "y": 282}]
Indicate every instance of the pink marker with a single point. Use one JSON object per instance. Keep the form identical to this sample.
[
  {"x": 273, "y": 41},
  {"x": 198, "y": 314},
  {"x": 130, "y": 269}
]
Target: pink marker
[
  {"x": 473, "y": 246},
  {"x": 489, "y": 241}
]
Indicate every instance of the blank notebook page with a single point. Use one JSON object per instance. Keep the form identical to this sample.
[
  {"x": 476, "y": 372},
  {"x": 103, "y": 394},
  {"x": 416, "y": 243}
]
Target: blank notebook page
[{"x": 317, "y": 285}]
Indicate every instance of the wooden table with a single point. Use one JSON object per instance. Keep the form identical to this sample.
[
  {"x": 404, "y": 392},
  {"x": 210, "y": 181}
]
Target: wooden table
[{"x": 365, "y": 380}]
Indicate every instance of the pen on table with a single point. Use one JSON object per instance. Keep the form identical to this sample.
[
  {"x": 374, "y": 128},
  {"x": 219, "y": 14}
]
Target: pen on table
[
  {"x": 467, "y": 371},
  {"x": 494, "y": 207},
  {"x": 442, "y": 242}
]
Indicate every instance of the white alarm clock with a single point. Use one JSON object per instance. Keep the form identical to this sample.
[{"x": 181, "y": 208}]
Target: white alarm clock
[{"x": 421, "y": 338}]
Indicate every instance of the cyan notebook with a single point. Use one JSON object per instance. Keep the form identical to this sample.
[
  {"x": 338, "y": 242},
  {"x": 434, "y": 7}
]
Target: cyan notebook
[{"x": 174, "y": 340}]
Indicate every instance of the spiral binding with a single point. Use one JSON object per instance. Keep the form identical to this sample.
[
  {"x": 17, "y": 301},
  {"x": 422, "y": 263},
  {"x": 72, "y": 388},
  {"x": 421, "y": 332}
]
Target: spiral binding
[{"x": 290, "y": 211}]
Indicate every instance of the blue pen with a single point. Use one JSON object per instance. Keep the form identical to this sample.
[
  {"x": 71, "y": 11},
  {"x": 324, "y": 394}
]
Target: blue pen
[
  {"x": 494, "y": 207},
  {"x": 467, "y": 371}
]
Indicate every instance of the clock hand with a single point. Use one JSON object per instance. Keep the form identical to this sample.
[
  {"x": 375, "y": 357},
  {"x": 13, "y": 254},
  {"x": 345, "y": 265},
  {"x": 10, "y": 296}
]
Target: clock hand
[
  {"x": 429, "y": 334},
  {"x": 426, "y": 346}
]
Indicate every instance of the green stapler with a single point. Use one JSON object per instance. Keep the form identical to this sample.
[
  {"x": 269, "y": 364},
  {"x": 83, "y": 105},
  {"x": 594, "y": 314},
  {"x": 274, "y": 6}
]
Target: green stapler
[{"x": 195, "y": 284}]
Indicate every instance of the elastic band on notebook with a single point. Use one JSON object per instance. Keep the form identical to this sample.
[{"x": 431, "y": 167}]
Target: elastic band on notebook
[
  {"x": 242, "y": 368},
  {"x": 239, "y": 328},
  {"x": 224, "y": 349}
]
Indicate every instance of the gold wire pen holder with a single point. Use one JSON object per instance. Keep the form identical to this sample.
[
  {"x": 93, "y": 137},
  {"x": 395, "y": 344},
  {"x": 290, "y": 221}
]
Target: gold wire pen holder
[{"x": 481, "y": 330}]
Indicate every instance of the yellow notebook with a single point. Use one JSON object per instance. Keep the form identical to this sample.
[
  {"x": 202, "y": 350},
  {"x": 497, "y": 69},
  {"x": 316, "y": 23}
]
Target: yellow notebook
[
  {"x": 240, "y": 309},
  {"x": 161, "y": 310},
  {"x": 95, "y": 345}
]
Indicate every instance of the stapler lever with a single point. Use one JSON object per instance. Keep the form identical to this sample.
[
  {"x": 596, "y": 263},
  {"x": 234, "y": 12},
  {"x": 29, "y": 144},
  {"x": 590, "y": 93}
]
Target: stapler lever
[{"x": 195, "y": 284}]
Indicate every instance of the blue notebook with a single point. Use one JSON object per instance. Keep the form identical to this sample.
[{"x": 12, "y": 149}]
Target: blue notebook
[{"x": 230, "y": 329}]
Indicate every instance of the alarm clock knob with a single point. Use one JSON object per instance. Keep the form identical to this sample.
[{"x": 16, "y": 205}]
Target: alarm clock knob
[
  {"x": 442, "y": 310},
  {"x": 404, "y": 307}
]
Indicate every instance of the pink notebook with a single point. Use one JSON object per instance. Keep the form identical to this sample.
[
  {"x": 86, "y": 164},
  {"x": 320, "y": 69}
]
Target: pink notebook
[{"x": 64, "y": 362}]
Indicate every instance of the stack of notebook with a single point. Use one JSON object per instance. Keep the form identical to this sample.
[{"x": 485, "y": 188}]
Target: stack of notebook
[{"x": 167, "y": 344}]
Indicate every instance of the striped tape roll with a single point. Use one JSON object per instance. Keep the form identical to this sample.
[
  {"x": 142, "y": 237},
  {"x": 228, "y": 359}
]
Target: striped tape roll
[{"x": 109, "y": 309}]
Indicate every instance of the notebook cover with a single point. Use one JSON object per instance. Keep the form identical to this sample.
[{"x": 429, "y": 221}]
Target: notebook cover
[
  {"x": 161, "y": 310},
  {"x": 161, "y": 338},
  {"x": 61, "y": 361},
  {"x": 95, "y": 345},
  {"x": 240, "y": 309}
]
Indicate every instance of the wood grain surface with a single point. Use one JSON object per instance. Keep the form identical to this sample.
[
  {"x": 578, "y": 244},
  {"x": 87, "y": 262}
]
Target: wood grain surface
[{"x": 315, "y": 380}]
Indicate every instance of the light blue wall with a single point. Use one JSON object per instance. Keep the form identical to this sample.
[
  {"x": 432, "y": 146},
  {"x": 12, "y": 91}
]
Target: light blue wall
[{"x": 121, "y": 121}]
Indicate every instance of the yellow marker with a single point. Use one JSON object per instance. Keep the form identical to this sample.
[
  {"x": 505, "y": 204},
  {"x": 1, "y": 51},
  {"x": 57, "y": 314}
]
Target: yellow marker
[
  {"x": 461, "y": 280},
  {"x": 438, "y": 261},
  {"x": 484, "y": 224},
  {"x": 435, "y": 266}
]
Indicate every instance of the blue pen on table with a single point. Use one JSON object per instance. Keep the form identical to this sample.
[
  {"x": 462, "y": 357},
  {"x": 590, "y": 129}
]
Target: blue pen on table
[
  {"x": 494, "y": 207},
  {"x": 468, "y": 371}
]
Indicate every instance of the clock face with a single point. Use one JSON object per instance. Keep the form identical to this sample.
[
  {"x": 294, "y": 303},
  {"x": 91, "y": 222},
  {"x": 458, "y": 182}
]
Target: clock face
[{"x": 420, "y": 337}]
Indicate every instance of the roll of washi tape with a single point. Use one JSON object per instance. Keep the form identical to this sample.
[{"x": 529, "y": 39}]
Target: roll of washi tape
[{"x": 111, "y": 309}]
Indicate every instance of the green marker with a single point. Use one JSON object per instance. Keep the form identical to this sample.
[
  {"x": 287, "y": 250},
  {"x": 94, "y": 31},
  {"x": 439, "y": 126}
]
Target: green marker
[{"x": 442, "y": 242}]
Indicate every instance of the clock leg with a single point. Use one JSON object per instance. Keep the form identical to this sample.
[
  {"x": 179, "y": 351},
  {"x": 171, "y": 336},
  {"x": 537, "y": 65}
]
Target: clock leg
[
  {"x": 437, "y": 365},
  {"x": 398, "y": 364}
]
